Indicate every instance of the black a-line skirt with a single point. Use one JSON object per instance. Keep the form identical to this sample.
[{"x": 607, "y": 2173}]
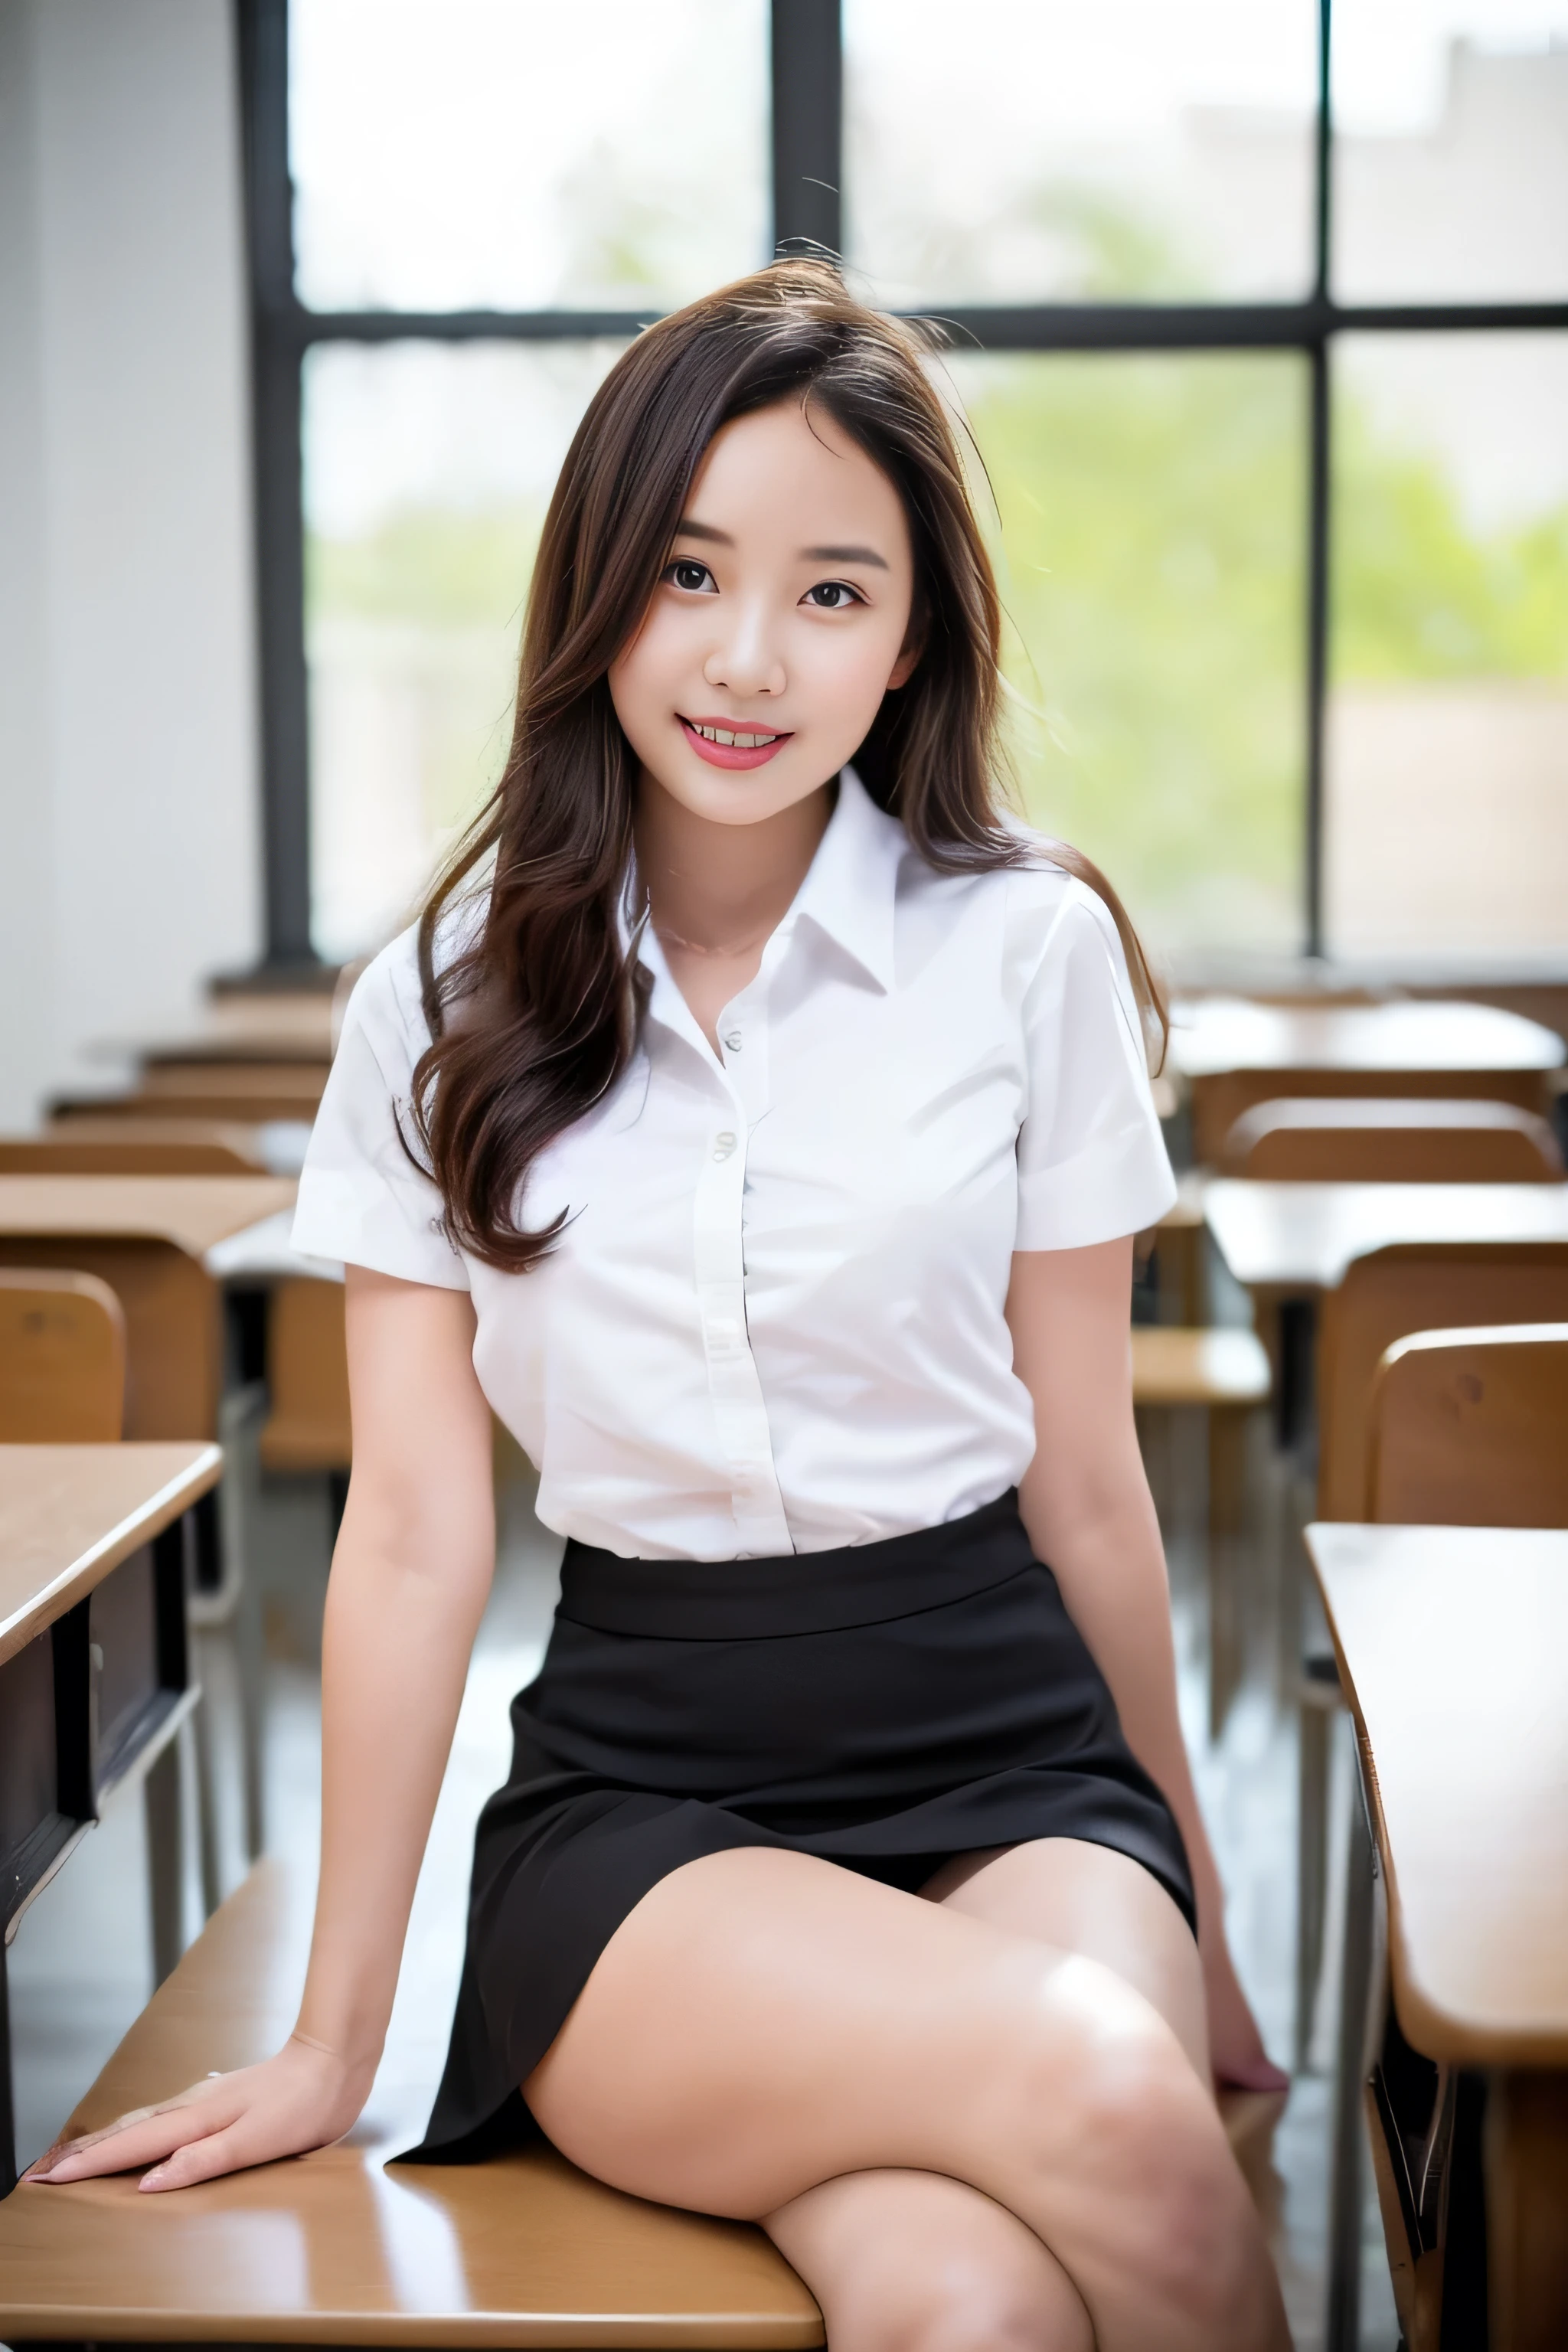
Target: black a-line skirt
[{"x": 885, "y": 1706}]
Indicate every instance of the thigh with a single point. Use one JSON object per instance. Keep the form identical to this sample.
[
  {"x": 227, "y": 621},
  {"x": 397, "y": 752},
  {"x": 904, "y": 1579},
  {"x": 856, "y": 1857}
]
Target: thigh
[
  {"x": 762, "y": 2023},
  {"x": 898, "y": 2259},
  {"x": 1079, "y": 1898}
]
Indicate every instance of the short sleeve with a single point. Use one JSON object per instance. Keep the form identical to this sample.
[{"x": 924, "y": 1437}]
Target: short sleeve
[
  {"x": 1092, "y": 1163},
  {"x": 361, "y": 1198}
]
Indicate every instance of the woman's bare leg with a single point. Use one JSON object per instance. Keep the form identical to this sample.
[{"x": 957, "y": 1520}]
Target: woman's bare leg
[
  {"x": 765, "y": 2023},
  {"x": 908, "y": 2258},
  {"x": 1090, "y": 1899},
  {"x": 913, "y": 2261}
]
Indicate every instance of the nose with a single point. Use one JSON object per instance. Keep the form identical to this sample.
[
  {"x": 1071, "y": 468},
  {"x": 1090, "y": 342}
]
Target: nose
[{"x": 746, "y": 660}]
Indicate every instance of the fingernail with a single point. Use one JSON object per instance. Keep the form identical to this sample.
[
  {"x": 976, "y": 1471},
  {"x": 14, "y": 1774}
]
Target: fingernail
[
  {"x": 38, "y": 2172},
  {"x": 154, "y": 2180}
]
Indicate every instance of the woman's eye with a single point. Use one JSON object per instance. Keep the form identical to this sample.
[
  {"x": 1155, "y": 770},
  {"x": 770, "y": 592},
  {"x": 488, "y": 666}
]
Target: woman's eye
[
  {"x": 832, "y": 595},
  {"x": 693, "y": 577}
]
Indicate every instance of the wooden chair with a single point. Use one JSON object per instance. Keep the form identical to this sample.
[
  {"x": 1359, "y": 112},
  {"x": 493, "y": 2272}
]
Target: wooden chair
[
  {"x": 62, "y": 1358},
  {"x": 1178, "y": 1246},
  {"x": 1469, "y": 1428},
  {"x": 1375, "y": 1140},
  {"x": 1219, "y": 1100},
  {"x": 1225, "y": 1373},
  {"x": 1384, "y": 1298},
  {"x": 1466, "y": 1428},
  {"x": 1414, "y": 1286},
  {"x": 308, "y": 1376}
]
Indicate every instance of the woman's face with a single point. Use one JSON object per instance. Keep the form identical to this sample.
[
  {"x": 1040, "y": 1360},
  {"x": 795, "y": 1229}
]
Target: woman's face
[{"x": 780, "y": 622}]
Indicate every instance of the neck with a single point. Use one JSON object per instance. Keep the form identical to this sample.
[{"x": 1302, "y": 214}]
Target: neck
[{"x": 721, "y": 887}]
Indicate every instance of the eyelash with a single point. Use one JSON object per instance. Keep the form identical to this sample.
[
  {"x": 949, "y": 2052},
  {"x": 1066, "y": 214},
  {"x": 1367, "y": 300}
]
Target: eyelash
[{"x": 689, "y": 564}]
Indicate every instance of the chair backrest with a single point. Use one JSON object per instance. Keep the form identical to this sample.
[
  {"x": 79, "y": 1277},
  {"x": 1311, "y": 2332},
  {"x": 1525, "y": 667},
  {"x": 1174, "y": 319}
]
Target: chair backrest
[
  {"x": 138, "y": 1152},
  {"x": 1470, "y": 1429},
  {"x": 62, "y": 1358},
  {"x": 1386, "y": 1139},
  {"x": 1388, "y": 1295}
]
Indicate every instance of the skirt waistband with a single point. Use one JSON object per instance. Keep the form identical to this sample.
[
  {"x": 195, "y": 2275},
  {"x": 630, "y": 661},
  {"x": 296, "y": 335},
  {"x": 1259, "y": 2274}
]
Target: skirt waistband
[{"x": 798, "y": 1592}]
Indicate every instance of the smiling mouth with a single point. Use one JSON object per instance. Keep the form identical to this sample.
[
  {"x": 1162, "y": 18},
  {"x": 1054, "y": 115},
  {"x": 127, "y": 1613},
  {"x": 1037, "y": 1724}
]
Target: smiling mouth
[
  {"x": 752, "y": 742},
  {"x": 733, "y": 747}
]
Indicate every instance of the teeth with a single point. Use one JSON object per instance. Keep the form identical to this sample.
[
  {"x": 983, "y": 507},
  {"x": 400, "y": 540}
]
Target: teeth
[{"x": 739, "y": 743}]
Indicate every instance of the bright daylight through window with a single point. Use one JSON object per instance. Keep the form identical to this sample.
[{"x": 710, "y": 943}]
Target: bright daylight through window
[{"x": 1055, "y": 176}]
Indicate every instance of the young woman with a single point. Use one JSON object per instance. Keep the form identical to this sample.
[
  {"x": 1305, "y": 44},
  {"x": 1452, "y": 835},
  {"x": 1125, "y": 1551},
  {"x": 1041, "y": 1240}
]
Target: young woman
[{"x": 757, "y": 1123}]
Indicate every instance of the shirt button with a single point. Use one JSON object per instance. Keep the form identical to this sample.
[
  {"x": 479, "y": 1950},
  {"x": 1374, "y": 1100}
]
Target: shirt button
[
  {"x": 723, "y": 1145},
  {"x": 733, "y": 1041}
]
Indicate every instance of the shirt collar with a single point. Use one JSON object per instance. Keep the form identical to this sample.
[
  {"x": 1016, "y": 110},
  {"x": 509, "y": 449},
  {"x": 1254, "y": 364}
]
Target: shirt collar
[{"x": 849, "y": 891}]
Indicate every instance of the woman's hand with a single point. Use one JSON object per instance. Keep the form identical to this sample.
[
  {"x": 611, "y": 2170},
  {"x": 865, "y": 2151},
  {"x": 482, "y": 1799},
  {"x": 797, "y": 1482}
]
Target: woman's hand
[
  {"x": 305, "y": 2097},
  {"x": 1236, "y": 2054}
]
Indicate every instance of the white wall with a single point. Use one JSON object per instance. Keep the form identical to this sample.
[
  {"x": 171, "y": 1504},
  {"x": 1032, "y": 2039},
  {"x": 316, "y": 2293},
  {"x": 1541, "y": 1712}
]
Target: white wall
[{"x": 130, "y": 851}]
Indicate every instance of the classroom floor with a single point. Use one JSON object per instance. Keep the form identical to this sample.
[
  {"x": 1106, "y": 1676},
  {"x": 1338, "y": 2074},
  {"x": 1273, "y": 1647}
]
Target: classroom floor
[{"x": 77, "y": 1979}]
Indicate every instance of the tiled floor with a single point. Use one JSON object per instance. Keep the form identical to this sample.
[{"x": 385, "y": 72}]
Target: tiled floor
[{"x": 78, "y": 1977}]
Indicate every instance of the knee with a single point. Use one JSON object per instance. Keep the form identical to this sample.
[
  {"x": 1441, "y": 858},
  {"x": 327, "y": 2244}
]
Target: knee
[
  {"x": 959, "y": 2304},
  {"x": 1169, "y": 2203}
]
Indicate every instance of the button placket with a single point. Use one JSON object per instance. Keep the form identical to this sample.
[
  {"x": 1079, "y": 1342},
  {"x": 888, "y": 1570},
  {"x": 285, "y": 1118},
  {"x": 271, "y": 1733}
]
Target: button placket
[{"x": 735, "y": 1387}]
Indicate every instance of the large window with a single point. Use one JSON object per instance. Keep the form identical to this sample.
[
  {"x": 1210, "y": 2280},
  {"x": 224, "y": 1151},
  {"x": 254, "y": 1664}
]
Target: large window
[{"x": 1258, "y": 319}]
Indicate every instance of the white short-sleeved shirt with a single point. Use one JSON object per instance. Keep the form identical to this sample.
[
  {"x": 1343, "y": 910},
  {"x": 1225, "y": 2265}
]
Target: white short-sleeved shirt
[{"x": 775, "y": 1322}]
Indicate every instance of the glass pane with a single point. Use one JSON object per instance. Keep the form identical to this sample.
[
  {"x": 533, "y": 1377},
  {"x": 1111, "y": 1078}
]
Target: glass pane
[
  {"x": 428, "y": 470},
  {"x": 511, "y": 155},
  {"x": 1447, "y": 773},
  {"x": 1016, "y": 151},
  {"x": 1151, "y": 547},
  {"x": 1451, "y": 155}
]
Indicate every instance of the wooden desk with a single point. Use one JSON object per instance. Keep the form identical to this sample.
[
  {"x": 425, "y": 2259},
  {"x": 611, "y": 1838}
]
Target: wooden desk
[
  {"x": 97, "y": 1547},
  {"x": 1235, "y": 1052},
  {"x": 1452, "y": 1645},
  {"x": 147, "y": 1237},
  {"x": 1294, "y": 1239},
  {"x": 246, "y": 1092},
  {"x": 121, "y": 1145},
  {"x": 1288, "y": 1242},
  {"x": 294, "y": 1027},
  {"x": 334, "y": 2249}
]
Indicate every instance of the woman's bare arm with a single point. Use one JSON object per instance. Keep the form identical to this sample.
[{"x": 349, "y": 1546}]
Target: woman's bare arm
[
  {"x": 410, "y": 1575},
  {"x": 1089, "y": 1512}
]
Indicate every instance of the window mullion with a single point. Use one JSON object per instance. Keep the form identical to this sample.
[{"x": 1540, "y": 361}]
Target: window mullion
[{"x": 807, "y": 70}]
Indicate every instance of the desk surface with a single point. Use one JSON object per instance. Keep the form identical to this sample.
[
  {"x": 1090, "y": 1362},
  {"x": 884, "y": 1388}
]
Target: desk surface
[
  {"x": 194, "y": 1213},
  {"x": 68, "y": 1514},
  {"x": 285, "y": 1027},
  {"x": 1301, "y": 1237},
  {"x": 1453, "y": 1648},
  {"x": 334, "y": 2248},
  {"x": 1214, "y": 1036}
]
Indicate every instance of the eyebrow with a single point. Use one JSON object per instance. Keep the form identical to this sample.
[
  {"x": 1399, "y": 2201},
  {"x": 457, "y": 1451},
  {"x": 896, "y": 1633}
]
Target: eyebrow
[
  {"x": 686, "y": 529},
  {"x": 846, "y": 555}
]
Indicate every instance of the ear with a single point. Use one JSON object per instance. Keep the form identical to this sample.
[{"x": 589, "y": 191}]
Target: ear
[{"x": 904, "y": 668}]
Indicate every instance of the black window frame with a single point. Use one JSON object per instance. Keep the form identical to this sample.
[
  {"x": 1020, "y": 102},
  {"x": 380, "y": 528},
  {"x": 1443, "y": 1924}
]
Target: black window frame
[{"x": 807, "y": 131}]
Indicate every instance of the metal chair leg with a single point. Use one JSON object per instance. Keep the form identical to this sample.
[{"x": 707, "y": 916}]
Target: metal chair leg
[
  {"x": 206, "y": 1805},
  {"x": 251, "y": 1663},
  {"x": 166, "y": 1859},
  {"x": 1343, "y": 2333},
  {"x": 1317, "y": 1707},
  {"x": 1227, "y": 1520}
]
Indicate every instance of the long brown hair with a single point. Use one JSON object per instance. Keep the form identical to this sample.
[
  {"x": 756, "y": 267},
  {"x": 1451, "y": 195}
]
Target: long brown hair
[{"x": 533, "y": 1004}]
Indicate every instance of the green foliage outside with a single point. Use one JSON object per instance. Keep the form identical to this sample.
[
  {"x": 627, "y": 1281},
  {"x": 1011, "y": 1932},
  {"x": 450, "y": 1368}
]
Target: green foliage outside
[
  {"x": 1150, "y": 552},
  {"x": 1417, "y": 592}
]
